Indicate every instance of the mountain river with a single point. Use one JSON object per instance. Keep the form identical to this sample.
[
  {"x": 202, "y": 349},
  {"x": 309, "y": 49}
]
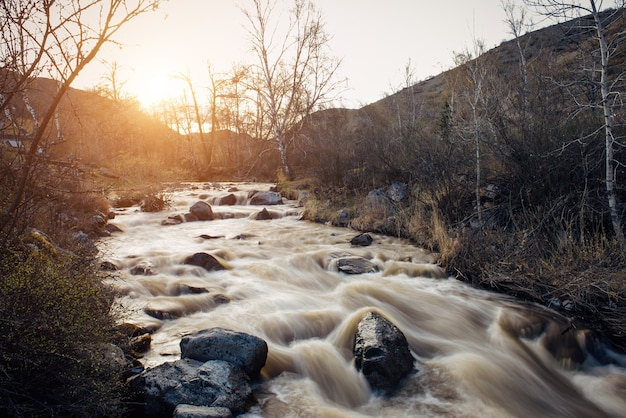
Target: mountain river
[{"x": 478, "y": 354}]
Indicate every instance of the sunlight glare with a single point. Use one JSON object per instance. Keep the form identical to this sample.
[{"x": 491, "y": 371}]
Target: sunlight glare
[{"x": 157, "y": 88}]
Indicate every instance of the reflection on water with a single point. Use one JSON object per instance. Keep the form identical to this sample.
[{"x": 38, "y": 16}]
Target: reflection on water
[{"x": 479, "y": 354}]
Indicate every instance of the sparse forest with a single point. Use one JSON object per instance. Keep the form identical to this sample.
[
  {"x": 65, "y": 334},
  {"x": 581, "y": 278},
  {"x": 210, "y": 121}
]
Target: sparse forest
[{"x": 514, "y": 162}]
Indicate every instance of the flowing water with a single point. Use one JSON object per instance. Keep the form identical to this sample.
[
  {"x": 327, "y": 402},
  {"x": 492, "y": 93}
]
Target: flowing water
[{"x": 478, "y": 354}]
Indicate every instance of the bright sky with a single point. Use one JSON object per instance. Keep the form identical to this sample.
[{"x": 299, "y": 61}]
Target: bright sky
[{"x": 375, "y": 38}]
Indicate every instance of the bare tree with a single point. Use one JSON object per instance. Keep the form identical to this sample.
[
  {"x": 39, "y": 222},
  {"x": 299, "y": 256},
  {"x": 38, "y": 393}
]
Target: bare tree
[
  {"x": 475, "y": 72},
  {"x": 57, "y": 39},
  {"x": 608, "y": 84},
  {"x": 294, "y": 75}
]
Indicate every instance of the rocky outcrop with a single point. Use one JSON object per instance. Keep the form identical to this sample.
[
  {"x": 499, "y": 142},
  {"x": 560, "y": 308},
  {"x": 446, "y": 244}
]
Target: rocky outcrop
[
  {"x": 243, "y": 350},
  {"x": 202, "y": 211},
  {"x": 213, "y": 383},
  {"x": 212, "y": 378},
  {"x": 381, "y": 352},
  {"x": 204, "y": 260}
]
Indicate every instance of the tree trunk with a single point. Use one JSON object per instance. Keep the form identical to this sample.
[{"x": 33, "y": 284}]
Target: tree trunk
[{"x": 609, "y": 139}]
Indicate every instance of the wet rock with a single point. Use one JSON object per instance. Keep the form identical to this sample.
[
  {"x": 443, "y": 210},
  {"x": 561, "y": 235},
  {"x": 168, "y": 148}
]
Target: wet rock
[
  {"x": 356, "y": 265},
  {"x": 240, "y": 349},
  {"x": 381, "y": 352},
  {"x": 266, "y": 198},
  {"x": 190, "y": 382},
  {"x": 108, "y": 266},
  {"x": 140, "y": 343},
  {"x": 362, "y": 240},
  {"x": 192, "y": 411},
  {"x": 263, "y": 215},
  {"x": 207, "y": 236},
  {"x": 172, "y": 220},
  {"x": 207, "y": 261},
  {"x": 186, "y": 290},
  {"x": 190, "y": 217},
  {"x": 132, "y": 330},
  {"x": 110, "y": 228},
  {"x": 162, "y": 314},
  {"x": 202, "y": 210},
  {"x": 228, "y": 200},
  {"x": 144, "y": 268},
  {"x": 97, "y": 221}
]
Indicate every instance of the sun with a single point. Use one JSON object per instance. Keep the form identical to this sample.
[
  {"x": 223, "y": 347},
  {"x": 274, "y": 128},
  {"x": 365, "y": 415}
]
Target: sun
[{"x": 155, "y": 88}]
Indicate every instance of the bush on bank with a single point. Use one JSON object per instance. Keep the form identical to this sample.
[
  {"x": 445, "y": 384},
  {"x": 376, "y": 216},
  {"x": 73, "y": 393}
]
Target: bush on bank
[{"x": 54, "y": 319}]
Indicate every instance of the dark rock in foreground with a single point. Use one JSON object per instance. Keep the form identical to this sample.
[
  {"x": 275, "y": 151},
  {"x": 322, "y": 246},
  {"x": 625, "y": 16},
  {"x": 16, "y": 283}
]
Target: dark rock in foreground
[
  {"x": 243, "y": 350},
  {"x": 381, "y": 352},
  {"x": 190, "y": 382}
]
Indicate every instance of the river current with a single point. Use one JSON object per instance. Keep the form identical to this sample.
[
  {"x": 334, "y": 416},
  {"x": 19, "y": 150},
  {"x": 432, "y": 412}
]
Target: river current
[{"x": 478, "y": 354}]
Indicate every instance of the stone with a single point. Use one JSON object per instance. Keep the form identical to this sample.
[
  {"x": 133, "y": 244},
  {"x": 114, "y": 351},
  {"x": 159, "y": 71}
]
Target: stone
[
  {"x": 266, "y": 198},
  {"x": 193, "y": 411},
  {"x": 263, "y": 215},
  {"x": 377, "y": 201},
  {"x": 190, "y": 217},
  {"x": 381, "y": 352},
  {"x": 356, "y": 265},
  {"x": 186, "y": 381},
  {"x": 397, "y": 192},
  {"x": 204, "y": 260},
  {"x": 228, "y": 200},
  {"x": 303, "y": 197},
  {"x": 108, "y": 266},
  {"x": 202, "y": 210},
  {"x": 143, "y": 268},
  {"x": 112, "y": 228},
  {"x": 342, "y": 220},
  {"x": 240, "y": 349},
  {"x": 362, "y": 240}
]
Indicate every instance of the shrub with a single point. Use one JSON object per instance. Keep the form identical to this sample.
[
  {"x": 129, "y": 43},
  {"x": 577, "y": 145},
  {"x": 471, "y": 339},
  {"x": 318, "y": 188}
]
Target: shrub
[{"x": 54, "y": 322}]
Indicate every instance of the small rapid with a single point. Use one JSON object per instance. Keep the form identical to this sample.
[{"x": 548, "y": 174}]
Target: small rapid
[{"x": 478, "y": 354}]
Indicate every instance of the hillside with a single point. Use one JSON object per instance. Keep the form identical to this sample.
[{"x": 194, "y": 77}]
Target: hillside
[{"x": 505, "y": 168}]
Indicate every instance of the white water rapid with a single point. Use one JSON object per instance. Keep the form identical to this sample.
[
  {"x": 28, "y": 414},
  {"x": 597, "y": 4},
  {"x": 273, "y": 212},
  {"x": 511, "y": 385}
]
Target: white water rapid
[{"x": 478, "y": 354}]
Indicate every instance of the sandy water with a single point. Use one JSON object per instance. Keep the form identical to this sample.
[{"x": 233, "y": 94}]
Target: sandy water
[{"x": 478, "y": 354}]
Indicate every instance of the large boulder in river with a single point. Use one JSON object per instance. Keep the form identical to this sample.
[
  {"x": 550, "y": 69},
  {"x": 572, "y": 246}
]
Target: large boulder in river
[
  {"x": 356, "y": 265},
  {"x": 381, "y": 352},
  {"x": 213, "y": 383},
  {"x": 207, "y": 261},
  {"x": 266, "y": 198},
  {"x": 238, "y": 348},
  {"x": 202, "y": 210}
]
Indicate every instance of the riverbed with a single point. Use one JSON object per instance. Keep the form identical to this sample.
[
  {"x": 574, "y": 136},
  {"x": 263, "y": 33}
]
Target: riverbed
[{"x": 478, "y": 354}]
